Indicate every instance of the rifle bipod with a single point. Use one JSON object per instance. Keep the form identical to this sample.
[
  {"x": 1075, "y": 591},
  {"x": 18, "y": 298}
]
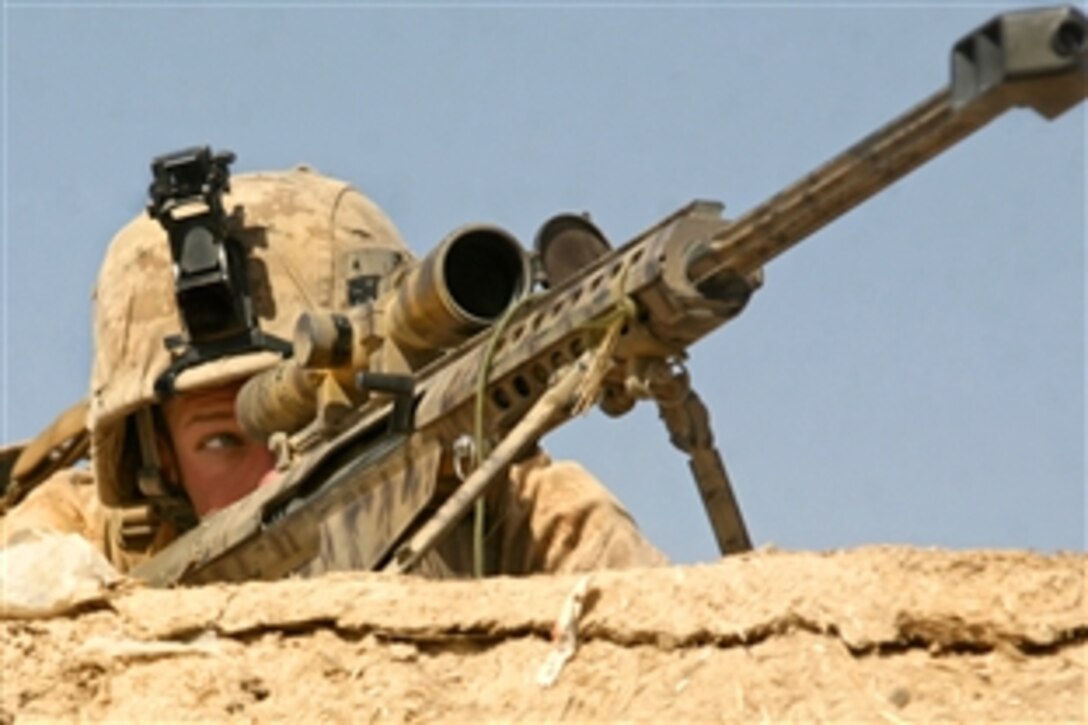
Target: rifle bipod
[{"x": 688, "y": 422}]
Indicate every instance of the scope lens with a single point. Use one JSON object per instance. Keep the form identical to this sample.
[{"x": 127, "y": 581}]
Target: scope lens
[{"x": 485, "y": 273}]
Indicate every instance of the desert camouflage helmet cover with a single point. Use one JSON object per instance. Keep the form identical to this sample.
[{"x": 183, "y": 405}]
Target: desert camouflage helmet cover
[{"x": 313, "y": 242}]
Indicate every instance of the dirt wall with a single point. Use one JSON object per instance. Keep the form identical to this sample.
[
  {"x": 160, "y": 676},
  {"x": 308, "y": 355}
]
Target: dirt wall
[{"x": 881, "y": 634}]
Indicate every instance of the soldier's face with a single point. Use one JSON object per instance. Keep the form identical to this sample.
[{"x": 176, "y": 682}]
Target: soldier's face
[{"x": 214, "y": 458}]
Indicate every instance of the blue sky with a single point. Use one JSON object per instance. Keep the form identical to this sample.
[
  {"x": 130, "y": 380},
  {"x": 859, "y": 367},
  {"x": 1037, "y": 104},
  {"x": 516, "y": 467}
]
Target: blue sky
[{"x": 913, "y": 373}]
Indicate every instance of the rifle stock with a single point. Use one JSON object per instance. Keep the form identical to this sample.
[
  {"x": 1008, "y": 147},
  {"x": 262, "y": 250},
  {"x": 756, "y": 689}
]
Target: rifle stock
[{"x": 357, "y": 487}]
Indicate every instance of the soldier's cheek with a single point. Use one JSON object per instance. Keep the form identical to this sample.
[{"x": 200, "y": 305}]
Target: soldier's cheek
[
  {"x": 253, "y": 468},
  {"x": 262, "y": 463},
  {"x": 268, "y": 478}
]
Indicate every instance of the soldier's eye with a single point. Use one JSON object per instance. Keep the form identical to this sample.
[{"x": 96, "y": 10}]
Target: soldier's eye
[{"x": 220, "y": 441}]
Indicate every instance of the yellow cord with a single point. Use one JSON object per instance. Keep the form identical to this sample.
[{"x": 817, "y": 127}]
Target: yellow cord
[
  {"x": 612, "y": 322},
  {"x": 480, "y": 440}
]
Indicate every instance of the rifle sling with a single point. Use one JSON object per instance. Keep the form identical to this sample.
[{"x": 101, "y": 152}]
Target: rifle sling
[{"x": 62, "y": 443}]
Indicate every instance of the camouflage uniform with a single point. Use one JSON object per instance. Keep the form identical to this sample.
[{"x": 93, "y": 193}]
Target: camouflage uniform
[
  {"x": 307, "y": 236},
  {"x": 550, "y": 517}
]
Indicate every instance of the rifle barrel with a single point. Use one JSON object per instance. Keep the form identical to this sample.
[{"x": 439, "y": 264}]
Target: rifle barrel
[{"x": 1036, "y": 58}]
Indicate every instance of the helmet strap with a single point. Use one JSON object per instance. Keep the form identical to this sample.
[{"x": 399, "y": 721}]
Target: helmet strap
[{"x": 169, "y": 502}]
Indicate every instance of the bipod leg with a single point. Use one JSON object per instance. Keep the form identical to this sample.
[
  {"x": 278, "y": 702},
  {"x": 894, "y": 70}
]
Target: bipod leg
[{"x": 688, "y": 423}]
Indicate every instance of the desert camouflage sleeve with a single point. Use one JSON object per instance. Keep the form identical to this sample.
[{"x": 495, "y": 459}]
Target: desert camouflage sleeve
[
  {"x": 546, "y": 518},
  {"x": 66, "y": 502},
  {"x": 556, "y": 517}
]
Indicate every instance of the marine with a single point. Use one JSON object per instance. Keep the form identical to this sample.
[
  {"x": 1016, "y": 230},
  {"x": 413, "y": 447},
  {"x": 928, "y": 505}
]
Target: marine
[{"x": 163, "y": 456}]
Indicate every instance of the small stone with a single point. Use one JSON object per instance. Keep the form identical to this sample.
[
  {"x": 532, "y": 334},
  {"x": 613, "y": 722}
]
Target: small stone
[
  {"x": 401, "y": 652},
  {"x": 256, "y": 687},
  {"x": 899, "y": 697}
]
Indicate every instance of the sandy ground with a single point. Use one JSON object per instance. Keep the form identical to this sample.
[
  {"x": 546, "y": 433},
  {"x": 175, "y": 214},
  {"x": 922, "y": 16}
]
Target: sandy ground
[{"x": 882, "y": 634}]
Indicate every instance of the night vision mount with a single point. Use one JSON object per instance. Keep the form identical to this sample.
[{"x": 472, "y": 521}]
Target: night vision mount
[{"x": 210, "y": 267}]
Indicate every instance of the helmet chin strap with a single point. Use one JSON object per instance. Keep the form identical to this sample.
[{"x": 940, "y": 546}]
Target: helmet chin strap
[{"x": 168, "y": 502}]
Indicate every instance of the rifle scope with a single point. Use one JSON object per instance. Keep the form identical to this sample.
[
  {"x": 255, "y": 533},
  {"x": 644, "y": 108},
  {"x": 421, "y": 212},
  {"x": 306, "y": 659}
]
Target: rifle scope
[
  {"x": 464, "y": 285},
  {"x": 461, "y": 287}
]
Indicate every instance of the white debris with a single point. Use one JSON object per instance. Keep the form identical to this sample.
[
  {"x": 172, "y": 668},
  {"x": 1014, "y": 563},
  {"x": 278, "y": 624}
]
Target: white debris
[
  {"x": 44, "y": 573},
  {"x": 564, "y": 634}
]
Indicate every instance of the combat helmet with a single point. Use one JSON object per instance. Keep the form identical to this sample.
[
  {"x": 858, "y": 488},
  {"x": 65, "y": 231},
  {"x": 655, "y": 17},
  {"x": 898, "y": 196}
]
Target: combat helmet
[{"x": 310, "y": 243}]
